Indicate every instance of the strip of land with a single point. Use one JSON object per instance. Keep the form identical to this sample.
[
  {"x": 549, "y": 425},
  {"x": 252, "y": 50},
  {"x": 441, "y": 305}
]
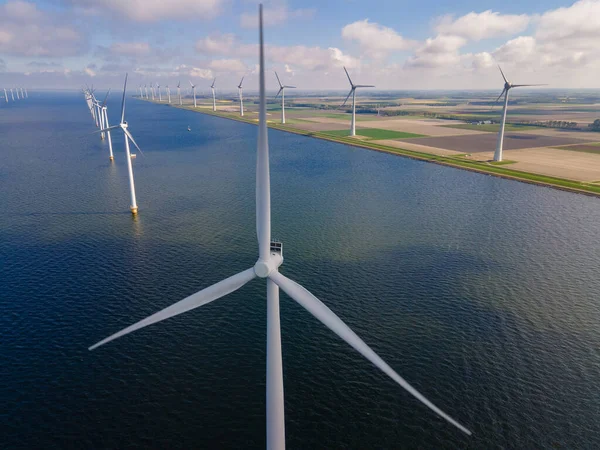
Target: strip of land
[{"x": 531, "y": 157}]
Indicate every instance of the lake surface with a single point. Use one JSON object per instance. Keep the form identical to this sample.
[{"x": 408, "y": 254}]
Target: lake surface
[{"x": 482, "y": 292}]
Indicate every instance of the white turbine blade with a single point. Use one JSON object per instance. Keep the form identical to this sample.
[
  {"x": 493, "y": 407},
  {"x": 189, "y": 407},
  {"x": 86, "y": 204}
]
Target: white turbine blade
[
  {"x": 278, "y": 80},
  {"x": 279, "y": 91},
  {"x": 105, "y": 129},
  {"x": 318, "y": 309},
  {"x": 123, "y": 101},
  {"x": 349, "y": 94},
  {"x": 126, "y": 131},
  {"x": 348, "y": 75},
  {"x": 290, "y": 87},
  {"x": 263, "y": 187},
  {"x": 105, "y": 98},
  {"x": 211, "y": 293},
  {"x": 240, "y": 86},
  {"x": 501, "y": 94},
  {"x": 505, "y": 80},
  {"x": 191, "y": 84},
  {"x": 213, "y": 83},
  {"x": 525, "y": 85},
  {"x": 364, "y": 85}
]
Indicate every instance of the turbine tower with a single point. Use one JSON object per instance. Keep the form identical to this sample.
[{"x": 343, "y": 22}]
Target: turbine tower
[
  {"x": 146, "y": 89},
  {"x": 193, "y": 91},
  {"x": 168, "y": 94},
  {"x": 128, "y": 137},
  {"x": 5, "y": 95},
  {"x": 507, "y": 87},
  {"x": 17, "y": 89},
  {"x": 141, "y": 92},
  {"x": 241, "y": 99},
  {"x": 179, "y": 92},
  {"x": 26, "y": 94},
  {"x": 105, "y": 121},
  {"x": 159, "y": 94},
  {"x": 12, "y": 94},
  {"x": 353, "y": 88},
  {"x": 282, "y": 89},
  {"x": 267, "y": 267},
  {"x": 212, "y": 87}
]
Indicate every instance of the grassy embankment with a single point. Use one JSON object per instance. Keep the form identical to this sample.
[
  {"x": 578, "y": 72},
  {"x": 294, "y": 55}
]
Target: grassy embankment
[{"x": 457, "y": 161}]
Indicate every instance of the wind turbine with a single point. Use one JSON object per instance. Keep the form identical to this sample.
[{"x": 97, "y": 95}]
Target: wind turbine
[
  {"x": 159, "y": 94},
  {"x": 127, "y": 135},
  {"x": 212, "y": 86},
  {"x": 12, "y": 94},
  {"x": 269, "y": 260},
  {"x": 22, "y": 93},
  {"x": 193, "y": 91},
  {"x": 353, "y": 88},
  {"x": 152, "y": 90},
  {"x": 146, "y": 89},
  {"x": 282, "y": 89},
  {"x": 141, "y": 92},
  {"x": 17, "y": 89},
  {"x": 105, "y": 121},
  {"x": 26, "y": 94},
  {"x": 169, "y": 94},
  {"x": 179, "y": 92},
  {"x": 5, "y": 95},
  {"x": 507, "y": 87},
  {"x": 241, "y": 99}
]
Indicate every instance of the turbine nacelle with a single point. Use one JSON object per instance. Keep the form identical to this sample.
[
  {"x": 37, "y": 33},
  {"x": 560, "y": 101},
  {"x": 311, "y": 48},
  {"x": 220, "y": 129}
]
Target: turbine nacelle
[{"x": 263, "y": 268}]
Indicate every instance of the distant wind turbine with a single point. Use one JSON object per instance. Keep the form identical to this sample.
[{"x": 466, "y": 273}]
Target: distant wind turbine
[
  {"x": 128, "y": 137},
  {"x": 5, "y": 95},
  {"x": 22, "y": 93},
  {"x": 282, "y": 89},
  {"x": 152, "y": 90},
  {"x": 507, "y": 87},
  {"x": 141, "y": 92},
  {"x": 12, "y": 94},
  {"x": 168, "y": 94},
  {"x": 179, "y": 92},
  {"x": 146, "y": 89},
  {"x": 193, "y": 92},
  {"x": 17, "y": 89},
  {"x": 26, "y": 93},
  {"x": 353, "y": 88},
  {"x": 159, "y": 94},
  {"x": 107, "y": 126},
  {"x": 212, "y": 87},
  {"x": 241, "y": 99},
  {"x": 267, "y": 267}
]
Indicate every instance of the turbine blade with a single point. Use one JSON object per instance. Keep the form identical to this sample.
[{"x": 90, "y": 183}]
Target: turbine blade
[
  {"x": 123, "y": 101},
  {"x": 105, "y": 98},
  {"x": 126, "y": 131},
  {"x": 191, "y": 84},
  {"x": 364, "y": 85},
  {"x": 278, "y": 80},
  {"x": 201, "y": 298},
  {"x": 240, "y": 86},
  {"x": 103, "y": 130},
  {"x": 318, "y": 309},
  {"x": 505, "y": 80},
  {"x": 213, "y": 83},
  {"x": 348, "y": 75},
  {"x": 263, "y": 184},
  {"x": 279, "y": 91},
  {"x": 501, "y": 94},
  {"x": 349, "y": 94},
  {"x": 290, "y": 87},
  {"x": 524, "y": 85}
]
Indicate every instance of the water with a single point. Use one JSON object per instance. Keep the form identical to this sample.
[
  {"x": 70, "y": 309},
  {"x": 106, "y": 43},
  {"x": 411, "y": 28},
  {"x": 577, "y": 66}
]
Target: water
[{"x": 482, "y": 292}]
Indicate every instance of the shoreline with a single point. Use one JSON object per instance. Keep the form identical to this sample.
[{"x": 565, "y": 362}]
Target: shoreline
[{"x": 499, "y": 171}]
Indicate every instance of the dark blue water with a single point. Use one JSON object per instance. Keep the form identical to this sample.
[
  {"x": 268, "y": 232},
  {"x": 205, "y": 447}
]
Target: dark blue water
[{"x": 484, "y": 293}]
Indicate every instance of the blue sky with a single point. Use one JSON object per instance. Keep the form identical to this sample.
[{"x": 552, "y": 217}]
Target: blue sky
[{"x": 392, "y": 44}]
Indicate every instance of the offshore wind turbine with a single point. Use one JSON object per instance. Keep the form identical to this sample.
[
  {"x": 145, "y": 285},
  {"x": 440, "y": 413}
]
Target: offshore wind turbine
[
  {"x": 193, "y": 91},
  {"x": 267, "y": 267},
  {"x": 12, "y": 94},
  {"x": 212, "y": 87},
  {"x": 353, "y": 88},
  {"x": 107, "y": 126},
  {"x": 179, "y": 92},
  {"x": 146, "y": 89},
  {"x": 17, "y": 89},
  {"x": 241, "y": 99},
  {"x": 169, "y": 94},
  {"x": 22, "y": 93},
  {"x": 282, "y": 89},
  {"x": 128, "y": 137},
  {"x": 26, "y": 93},
  {"x": 5, "y": 95},
  {"x": 152, "y": 90},
  {"x": 141, "y": 92},
  {"x": 507, "y": 87},
  {"x": 159, "y": 94}
]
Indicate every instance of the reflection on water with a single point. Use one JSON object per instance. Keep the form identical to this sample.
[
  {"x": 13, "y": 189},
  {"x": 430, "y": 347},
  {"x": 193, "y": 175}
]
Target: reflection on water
[{"x": 482, "y": 292}]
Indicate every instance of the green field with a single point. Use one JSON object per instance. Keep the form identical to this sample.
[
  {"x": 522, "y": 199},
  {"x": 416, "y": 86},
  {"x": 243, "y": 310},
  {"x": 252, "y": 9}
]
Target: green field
[
  {"x": 492, "y": 128},
  {"x": 375, "y": 133}
]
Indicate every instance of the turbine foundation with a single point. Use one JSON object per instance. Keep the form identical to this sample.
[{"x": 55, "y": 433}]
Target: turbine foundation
[{"x": 134, "y": 210}]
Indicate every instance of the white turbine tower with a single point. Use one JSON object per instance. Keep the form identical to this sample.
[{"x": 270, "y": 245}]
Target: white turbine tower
[
  {"x": 146, "y": 89},
  {"x": 101, "y": 113},
  {"x": 159, "y": 94},
  {"x": 17, "y": 89},
  {"x": 141, "y": 92},
  {"x": 168, "y": 94},
  {"x": 106, "y": 125},
  {"x": 282, "y": 89},
  {"x": 22, "y": 93},
  {"x": 152, "y": 90},
  {"x": 5, "y": 95},
  {"x": 353, "y": 88},
  {"x": 12, "y": 94},
  {"x": 267, "y": 267},
  {"x": 507, "y": 87},
  {"x": 212, "y": 87},
  {"x": 179, "y": 92},
  {"x": 26, "y": 94},
  {"x": 128, "y": 137},
  {"x": 193, "y": 91},
  {"x": 241, "y": 98}
]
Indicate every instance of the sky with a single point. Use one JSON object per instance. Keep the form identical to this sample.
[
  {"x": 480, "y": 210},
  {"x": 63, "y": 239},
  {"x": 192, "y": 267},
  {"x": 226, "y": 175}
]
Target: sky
[{"x": 393, "y": 44}]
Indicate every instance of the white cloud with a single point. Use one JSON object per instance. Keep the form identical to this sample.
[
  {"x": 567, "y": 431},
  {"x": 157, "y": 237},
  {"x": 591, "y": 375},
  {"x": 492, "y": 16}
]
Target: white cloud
[
  {"x": 374, "y": 38},
  {"x": 274, "y": 15},
  {"x": 27, "y": 31},
  {"x": 89, "y": 71},
  {"x": 130, "y": 48},
  {"x": 477, "y": 26},
  {"x": 437, "y": 52},
  {"x": 153, "y": 10},
  {"x": 516, "y": 50},
  {"x": 228, "y": 65},
  {"x": 222, "y": 44}
]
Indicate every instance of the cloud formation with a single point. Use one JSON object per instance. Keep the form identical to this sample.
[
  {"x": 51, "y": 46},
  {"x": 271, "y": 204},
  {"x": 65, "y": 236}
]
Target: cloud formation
[
  {"x": 375, "y": 39},
  {"x": 477, "y": 26}
]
